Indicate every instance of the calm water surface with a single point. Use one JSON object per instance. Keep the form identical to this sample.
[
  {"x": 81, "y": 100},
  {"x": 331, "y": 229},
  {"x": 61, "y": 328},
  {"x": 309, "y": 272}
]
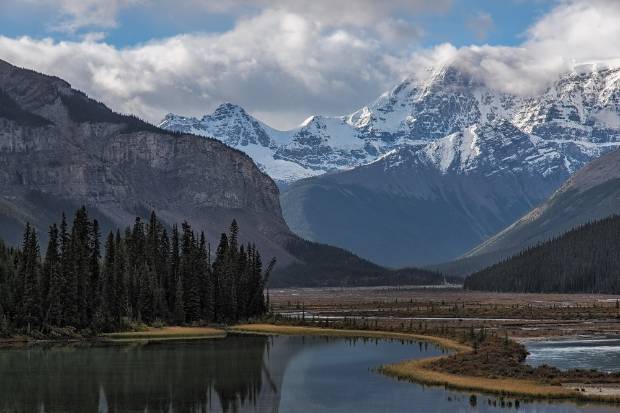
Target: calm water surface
[{"x": 235, "y": 374}]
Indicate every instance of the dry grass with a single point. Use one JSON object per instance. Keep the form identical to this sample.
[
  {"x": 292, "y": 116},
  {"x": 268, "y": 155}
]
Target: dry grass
[
  {"x": 417, "y": 371},
  {"x": 420, "y": 371},
  {"x": 317, "y": 331},
  {"x": 168, "y": 333}
]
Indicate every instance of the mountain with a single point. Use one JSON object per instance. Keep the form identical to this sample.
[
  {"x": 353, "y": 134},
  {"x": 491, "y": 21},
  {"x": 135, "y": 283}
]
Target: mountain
[
  {"x": 590, "y": 194},
  {"x": 433, "y": 202},
  {"x": 412, "y": 206},
  {"x": 584, "y": 260},
  {"x": 60, "y": 150},
  {"x": 232, "y": 125},
  {"x": 445, "y": 159}
]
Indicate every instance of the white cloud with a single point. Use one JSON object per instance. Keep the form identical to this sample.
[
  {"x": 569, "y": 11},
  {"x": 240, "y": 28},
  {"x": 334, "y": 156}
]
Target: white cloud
[
  {"x": 283, "y": 64},
  {"x": 574, "y": 32},
  {"x": 277, "y": 63}
]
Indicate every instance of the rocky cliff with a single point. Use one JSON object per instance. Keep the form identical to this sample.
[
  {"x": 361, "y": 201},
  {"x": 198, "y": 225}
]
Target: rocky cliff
[{"x": 59, "y": 149}]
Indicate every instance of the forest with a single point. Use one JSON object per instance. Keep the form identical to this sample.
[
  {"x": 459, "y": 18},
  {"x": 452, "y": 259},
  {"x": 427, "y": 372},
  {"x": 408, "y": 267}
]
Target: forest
[
  {"x": 585, "y": 259},
  {"x": 147, "y": 274}
]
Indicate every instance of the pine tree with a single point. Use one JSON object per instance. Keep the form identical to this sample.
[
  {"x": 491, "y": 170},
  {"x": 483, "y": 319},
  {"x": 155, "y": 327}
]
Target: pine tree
[
  {"x": 51, "y": 280},
  {"x": 179, "y": 306},
  {"x": 140, "y": 270},
  {"x": 28, "y": 274},
  {"x": 109, "y": 303},
  {"x": 80, "y": 256},
  {"x": 173, "y": 267},
  {"x": 188, "y": 265},
  {"x": 121, "y": 280},
  {"x": 95, "y": 282},
  {"x": 219, "y": 278}
]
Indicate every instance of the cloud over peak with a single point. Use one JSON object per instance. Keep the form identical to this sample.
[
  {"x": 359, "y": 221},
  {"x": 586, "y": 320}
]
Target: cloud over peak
[{"x": 284, "y": 60}]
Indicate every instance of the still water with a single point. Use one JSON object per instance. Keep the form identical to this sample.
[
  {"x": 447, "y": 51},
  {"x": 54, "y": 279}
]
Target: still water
[
  {"x": 601, "y": 353},
  {"x": 234, "y": 374}
]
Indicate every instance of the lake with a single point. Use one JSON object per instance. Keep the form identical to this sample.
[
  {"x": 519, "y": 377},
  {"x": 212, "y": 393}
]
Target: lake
[{"x": 233, "y": 374}]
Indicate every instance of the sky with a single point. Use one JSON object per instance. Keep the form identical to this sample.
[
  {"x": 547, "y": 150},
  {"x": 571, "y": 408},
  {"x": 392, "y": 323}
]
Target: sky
[{"x": 284, "y": 60}]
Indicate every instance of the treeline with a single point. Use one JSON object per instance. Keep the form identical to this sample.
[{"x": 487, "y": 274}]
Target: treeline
[
  {"x": 585, "y": 259},
  {"x": 142, "y": 275}
]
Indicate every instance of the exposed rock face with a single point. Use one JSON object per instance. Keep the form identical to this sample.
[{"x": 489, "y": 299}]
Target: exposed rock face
[{"x": 59, "y": 149}]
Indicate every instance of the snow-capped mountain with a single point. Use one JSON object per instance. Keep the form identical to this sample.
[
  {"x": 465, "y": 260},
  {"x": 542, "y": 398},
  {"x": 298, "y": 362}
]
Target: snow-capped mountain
[
  {"x": 429, "y": 203},
  {"x": 234, "y": 126},
  {"x": 434, "y": 166},
  {"x": 575, "y": 119}
]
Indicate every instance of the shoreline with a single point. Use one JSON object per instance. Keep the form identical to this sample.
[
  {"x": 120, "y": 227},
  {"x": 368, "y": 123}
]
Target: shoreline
[
  {"x": 416, "y": 371},
  {"x": 150, "y": 334}
]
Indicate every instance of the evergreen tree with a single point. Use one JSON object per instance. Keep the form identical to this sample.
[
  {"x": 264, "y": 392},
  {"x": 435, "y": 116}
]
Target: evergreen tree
[
  {"x": 51, "y": 280},
  {"x": 144, "y": 277},
  {"x": 188, "y": 274},
  {"x": 179, "y": 306},
  {"x": 28, "y": 274}
]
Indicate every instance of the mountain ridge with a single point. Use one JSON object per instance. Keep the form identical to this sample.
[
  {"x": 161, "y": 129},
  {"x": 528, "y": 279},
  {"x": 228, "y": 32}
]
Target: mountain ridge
[
  {"x": 455, "y": 129},
  {"x": 60, "y": 150}
]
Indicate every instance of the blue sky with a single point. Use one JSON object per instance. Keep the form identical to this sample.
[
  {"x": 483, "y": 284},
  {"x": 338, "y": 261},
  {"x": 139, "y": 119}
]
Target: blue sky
[
  {"x": 143, "y": 22},
  {"x": 284, "y": 60}
]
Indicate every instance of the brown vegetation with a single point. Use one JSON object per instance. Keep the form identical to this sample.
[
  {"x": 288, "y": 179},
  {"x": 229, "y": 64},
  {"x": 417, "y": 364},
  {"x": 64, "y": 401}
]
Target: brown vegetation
[{"x": 167, "y": 333}]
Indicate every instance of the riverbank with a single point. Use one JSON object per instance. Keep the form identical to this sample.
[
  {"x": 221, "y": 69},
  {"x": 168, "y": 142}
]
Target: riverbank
[
  {"x": 489, "y": 365},
  {"x": 167, "y": 333},
  {"x": 429, "y": 371},
  {"x": 278, "y": 329}
]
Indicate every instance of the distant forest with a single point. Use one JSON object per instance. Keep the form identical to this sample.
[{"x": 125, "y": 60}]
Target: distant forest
[
  {"x": 585, "y": 259},
  {"x": 144, "y": 276}
]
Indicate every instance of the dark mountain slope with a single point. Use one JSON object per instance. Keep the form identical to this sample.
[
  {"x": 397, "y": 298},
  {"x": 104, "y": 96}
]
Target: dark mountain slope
[
  {"x": 586, "y": 259},
  {"x": 592, "y": 193},
  {"x": 410, "y": 208}
]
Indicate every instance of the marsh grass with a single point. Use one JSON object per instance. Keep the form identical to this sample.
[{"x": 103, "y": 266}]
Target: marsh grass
[{"x": 168, "y": 333}]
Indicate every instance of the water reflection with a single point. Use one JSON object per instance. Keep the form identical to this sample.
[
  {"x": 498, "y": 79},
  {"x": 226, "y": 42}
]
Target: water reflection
[
  {"x": 194, "y": 376},
  {"x": 236, "y": 374}
]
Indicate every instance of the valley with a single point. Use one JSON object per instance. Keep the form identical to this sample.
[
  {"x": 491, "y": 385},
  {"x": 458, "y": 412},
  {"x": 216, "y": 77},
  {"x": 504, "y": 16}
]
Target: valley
[
  {"x": 432, "y": 170},
  {"x": 433, "y": 309},
  {"x": 309, "y": 206}
]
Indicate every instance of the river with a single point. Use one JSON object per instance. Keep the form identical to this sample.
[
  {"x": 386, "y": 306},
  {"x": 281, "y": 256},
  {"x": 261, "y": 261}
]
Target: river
[{"x": 233, "y": 374}]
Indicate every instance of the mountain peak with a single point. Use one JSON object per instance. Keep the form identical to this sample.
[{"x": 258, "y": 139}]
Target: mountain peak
[{"x": 227, "y": 109}]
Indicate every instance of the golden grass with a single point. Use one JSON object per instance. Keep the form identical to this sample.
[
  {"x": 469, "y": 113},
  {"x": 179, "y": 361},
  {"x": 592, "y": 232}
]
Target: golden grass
[
  {"x": 418, "y": 371},
  {"x": 168, "y": 333},
  {"x": 317, "y": 331}
]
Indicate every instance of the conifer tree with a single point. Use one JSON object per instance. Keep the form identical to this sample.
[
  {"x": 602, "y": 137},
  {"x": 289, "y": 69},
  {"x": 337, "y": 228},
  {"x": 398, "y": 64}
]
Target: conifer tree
[
  {"x": 134, "y": 282},
  {"x": 28, "y": 274},
  {"x": 51, "y": 280}
]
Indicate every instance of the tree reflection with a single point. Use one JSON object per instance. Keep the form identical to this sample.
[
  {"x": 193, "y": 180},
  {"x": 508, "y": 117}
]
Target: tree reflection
[{"x": 236, "y": 374}]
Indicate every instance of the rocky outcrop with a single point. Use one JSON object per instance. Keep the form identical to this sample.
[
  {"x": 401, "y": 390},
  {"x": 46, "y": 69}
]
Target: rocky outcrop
[{"x": 59, "y": 149}]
